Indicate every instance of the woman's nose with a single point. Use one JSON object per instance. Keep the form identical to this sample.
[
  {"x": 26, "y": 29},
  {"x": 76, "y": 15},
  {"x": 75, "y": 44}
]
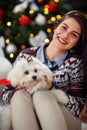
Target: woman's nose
[{"x": 66, "y": 34}]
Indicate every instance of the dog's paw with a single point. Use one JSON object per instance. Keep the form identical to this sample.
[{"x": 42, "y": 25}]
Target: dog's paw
[{"x": 61, "y": 96}]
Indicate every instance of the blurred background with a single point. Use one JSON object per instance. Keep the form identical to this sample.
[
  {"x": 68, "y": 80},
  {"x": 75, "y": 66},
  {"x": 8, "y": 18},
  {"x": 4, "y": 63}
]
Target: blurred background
[{"x": 27, "y": 23}]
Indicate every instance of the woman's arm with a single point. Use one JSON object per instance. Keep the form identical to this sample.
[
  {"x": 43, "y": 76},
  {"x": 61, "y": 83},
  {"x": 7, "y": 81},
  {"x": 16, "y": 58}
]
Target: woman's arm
[
  {"x": 76, "y": 89},
  {"x": 69, "y": 78},
  {"x": 7, "y": 93}
]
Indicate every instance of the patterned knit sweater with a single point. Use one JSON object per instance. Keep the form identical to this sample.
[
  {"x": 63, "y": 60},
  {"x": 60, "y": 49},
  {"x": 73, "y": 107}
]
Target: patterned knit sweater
[{"x": 67, "y": 76}]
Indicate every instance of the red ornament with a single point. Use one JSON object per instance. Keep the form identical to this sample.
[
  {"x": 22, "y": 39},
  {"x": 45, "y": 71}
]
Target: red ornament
[
  {"x": 40, "y": 1},
  {"x": 52, "y": 7},
  {"x": 4, "y": 82},
  {"x": 1, "y": 14},
  {"x": 24, "y": 20}
]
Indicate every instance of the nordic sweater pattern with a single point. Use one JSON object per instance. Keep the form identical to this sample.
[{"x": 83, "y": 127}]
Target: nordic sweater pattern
[{"x": 68, "y": 77}]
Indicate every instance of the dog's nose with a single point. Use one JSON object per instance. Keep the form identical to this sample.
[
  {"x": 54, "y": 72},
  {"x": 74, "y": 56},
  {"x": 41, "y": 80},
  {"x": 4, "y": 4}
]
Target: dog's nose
[{"x": 34, "y": 77}]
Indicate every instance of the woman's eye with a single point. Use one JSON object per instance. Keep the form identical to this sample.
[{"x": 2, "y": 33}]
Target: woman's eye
[
  {"x": 63, "y": 27},
  {"x": 26, "y": 72},
  {"x": 74, "y": 35},
  {"x": 35, "y": 70}
]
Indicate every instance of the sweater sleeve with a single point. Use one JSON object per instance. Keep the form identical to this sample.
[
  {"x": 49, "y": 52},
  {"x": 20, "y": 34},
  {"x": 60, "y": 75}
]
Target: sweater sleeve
[
  {"x": 69, "y": 78},
  {"x": 76, "y": 89},
  {"x": 7, "y": 94}
]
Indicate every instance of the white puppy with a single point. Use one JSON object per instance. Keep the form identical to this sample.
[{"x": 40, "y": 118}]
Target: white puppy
[{"x": 32, "y": 75}]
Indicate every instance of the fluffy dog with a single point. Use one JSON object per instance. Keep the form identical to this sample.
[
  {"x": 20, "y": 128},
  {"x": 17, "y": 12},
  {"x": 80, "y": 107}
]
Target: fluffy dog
[{"x": 31, "y": 75}]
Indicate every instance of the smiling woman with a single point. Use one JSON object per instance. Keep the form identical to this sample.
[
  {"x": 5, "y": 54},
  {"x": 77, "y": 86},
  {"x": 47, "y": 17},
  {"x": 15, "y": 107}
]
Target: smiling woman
[
  {"x": 65, "y": 36},
  {"x": 66, "y": 56}
]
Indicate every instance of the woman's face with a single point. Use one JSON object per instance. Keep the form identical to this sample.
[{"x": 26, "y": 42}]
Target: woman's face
[{"x": 67, "y": 34}]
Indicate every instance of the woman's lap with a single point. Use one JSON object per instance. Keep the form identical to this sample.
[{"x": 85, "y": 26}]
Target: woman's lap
[
  {"x": 51, "y": 114},
  {"x": 45, "y": 101},
  {"x": 23, "y": 116}
]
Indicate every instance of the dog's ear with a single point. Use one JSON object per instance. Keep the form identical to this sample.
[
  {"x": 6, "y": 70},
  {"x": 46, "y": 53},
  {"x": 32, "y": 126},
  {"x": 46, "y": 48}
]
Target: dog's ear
[
  {"x": 12, "y": 76},
  {"x": 29, "y": 59},
  {"x": 17, "y": 72},
  {"x": 48, "y": 82}
]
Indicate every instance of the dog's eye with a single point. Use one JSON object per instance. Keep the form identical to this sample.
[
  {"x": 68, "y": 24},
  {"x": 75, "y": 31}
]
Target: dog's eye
[
  {"x": 26, "y": 72},
  {"x": 35, "y": 70}
]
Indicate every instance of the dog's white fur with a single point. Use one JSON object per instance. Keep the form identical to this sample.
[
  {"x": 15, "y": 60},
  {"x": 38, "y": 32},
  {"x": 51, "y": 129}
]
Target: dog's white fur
[{"x": 32, "y": 75}]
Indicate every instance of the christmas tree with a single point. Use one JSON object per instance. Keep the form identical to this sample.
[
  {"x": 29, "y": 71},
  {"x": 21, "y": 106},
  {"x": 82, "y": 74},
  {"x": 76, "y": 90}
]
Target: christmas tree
[{"x": 26, "y": 23}]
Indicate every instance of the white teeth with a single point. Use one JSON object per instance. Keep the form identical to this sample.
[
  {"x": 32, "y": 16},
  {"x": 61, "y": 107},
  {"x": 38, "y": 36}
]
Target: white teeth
[{"x": 62, "y": 41}]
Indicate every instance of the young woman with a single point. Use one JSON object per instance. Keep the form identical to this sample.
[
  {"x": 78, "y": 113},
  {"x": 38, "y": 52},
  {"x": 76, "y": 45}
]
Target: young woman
[{"x": 66, "y": 56}]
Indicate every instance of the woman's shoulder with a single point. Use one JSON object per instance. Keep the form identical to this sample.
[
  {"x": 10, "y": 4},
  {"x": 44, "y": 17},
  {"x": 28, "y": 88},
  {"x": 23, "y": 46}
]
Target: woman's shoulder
[
  {"x": 26, "y": 53},
  {"x": 72, "y": 59},
  {"x": 31, "y": 50},
  {"x": 72, "y": 55}
]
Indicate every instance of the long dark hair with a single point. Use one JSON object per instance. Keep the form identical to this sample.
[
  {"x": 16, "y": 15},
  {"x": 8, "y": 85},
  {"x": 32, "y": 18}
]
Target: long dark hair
[{"x": 81, "y": 47}]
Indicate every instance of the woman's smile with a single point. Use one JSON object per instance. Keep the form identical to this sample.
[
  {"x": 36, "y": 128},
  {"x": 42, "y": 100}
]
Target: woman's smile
[{"x": 62, "y": 41}]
